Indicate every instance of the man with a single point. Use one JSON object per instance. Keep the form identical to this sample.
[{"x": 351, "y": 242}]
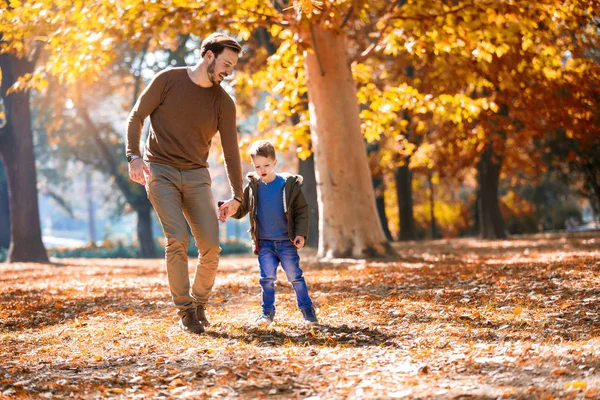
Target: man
[{"x": 187, "y": 106}]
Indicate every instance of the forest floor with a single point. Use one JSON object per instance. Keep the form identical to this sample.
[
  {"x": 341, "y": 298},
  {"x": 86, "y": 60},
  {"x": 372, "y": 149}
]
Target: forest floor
[{"x": 448, "y": 319}]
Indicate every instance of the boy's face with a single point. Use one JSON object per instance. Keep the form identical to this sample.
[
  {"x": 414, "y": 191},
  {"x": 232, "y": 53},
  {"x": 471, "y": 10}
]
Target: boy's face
[{"x": 264, "y": 167}]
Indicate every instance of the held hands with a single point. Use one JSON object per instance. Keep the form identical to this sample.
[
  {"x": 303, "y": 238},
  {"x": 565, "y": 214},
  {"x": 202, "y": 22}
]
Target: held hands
[
  {"x": 228, "y": 209},
  {"x": 138, "y": 171},
  {"x": 299, "y": 242}
]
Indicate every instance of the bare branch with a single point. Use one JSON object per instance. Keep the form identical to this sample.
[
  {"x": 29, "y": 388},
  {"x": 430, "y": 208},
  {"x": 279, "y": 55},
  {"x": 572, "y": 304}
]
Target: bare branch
[{"x": 347, "y": 17}]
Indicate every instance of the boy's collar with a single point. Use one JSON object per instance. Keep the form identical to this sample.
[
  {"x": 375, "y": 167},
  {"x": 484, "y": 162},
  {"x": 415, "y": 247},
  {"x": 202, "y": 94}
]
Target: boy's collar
[{"x": 253, "y": 176}]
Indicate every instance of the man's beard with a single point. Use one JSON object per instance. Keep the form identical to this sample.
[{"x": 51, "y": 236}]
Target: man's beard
[{"x": 210, "y": 71}]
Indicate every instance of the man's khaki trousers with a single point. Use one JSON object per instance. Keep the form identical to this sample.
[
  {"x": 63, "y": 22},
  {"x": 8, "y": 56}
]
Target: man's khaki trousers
[{"x": 179, "y": 195}]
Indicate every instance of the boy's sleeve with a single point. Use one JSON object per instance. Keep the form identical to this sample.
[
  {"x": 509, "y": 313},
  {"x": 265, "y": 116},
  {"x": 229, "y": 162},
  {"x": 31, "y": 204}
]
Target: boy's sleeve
[
  {"x": 301, "y": 216},
  {"x": 243, "y": 208}
]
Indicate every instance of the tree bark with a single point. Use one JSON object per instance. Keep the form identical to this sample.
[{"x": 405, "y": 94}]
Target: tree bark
[
  {"x": 491, "y": 223},
  {"x": 134, "y": 195},
  {"x": 432, "y": 226},
  {"x": 306, "y": 168},
  {"x": 16, "y": 149},
  {"x": 379, "y": 188},
  {"x": 4, "y": 210},
  {"x": 348, "y": 225},
  {"x": 590, "y": 169},
  {"x": 144, "y": 231},
  {"x": 403, "y": 177}
]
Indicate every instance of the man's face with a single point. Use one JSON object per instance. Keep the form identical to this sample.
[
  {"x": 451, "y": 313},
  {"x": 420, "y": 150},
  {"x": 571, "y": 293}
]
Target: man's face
[{"x": 221, "y": 66}]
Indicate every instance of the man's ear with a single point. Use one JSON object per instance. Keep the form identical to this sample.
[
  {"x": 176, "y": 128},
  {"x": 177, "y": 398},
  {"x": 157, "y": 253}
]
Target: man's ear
[{"x": 209, "y": 55}]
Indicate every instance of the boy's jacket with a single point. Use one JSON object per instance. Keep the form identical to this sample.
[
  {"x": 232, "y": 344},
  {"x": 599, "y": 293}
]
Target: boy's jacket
[{"x": 294, "y": 206}]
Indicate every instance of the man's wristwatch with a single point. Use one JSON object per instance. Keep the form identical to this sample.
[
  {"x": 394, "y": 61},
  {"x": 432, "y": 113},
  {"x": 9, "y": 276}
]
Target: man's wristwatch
[{"x": 131, "y": 158}]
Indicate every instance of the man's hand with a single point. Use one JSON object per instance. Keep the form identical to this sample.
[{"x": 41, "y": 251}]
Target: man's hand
[
  {"x": 299, "y": 242},
  {"x": 138, "y": 170},
  {"x": 228, "y": 209}
]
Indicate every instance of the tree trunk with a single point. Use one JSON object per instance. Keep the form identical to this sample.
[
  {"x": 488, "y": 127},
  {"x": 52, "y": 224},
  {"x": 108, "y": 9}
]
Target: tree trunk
[
  {"x": 16, "y": 149},
  {"x": 306, "y": 168},
  {"x": 89, "y": 191},
  {"x": 134, "y": 194},
  {"x": 591, "y": 176},
  {"x": 432, "y": 226},
  {"x": 144, "y": 231},
  {"x": 4, "y": 210},
  {"x": 403, "y": 177},
  {"x": 475, "y": 208},
  {"x": 379, "y": 188},
  {"x": 491, "y": 224},
  {"x": 348, "y": 223}
]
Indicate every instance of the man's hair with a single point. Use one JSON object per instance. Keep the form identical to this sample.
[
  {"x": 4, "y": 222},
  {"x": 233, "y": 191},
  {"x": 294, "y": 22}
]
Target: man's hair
[
  {"x": 217, "y": 42},
  {"x": 262, "y": 148}
]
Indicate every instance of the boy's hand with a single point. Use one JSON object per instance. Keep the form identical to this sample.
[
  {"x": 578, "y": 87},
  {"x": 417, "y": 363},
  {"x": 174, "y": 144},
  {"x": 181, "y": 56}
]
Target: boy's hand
[
  {"x": 299, "y": 242},
  {"x": 228, "y": 209},
  {"x": 222, "y": 214}
]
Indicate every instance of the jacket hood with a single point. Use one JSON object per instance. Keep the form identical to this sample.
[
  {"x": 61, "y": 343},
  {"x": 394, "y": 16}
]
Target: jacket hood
[{"x": 253, "y": 177}]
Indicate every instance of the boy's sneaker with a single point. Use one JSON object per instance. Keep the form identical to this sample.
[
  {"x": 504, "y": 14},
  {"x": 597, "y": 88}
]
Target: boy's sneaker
[
  {"x": 266, "y": 318},
  {"x": 201, "y": 314},
  {"x": 310, "y": 316},
  {"x": 189, "y": 322}
]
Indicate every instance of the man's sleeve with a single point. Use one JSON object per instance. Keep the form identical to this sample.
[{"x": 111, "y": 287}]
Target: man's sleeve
[
  {"x": 231, "y": 150},
  {"x": 244, "y": 208},
  {"x": 148, "y": 101}
]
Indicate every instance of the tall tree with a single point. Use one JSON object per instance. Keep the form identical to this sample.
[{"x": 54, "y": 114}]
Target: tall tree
[
  {"x": 377, "y": 177},
  {"x": 576, "y": 159},
  {"x": 349, "y": 224},
  {"x": 16, "y": 149},
  {"x": 4, "y": 210},
  {"x": 485, "y": 69},
  {"x": 403, "y": 177}
]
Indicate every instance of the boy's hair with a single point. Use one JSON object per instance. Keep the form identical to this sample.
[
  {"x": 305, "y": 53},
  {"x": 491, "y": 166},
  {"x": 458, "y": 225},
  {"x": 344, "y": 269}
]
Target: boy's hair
[
  {"x": 262, "y": 148},
  {"x": 217, "y": 42}
]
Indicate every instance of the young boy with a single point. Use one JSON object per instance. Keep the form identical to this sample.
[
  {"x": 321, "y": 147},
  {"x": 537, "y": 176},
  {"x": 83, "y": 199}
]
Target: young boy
[{"x": 278, "y": 225}]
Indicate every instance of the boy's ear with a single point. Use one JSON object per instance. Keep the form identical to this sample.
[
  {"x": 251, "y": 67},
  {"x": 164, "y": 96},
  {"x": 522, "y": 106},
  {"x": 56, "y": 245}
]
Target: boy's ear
[{"x": 274, "y": 162}]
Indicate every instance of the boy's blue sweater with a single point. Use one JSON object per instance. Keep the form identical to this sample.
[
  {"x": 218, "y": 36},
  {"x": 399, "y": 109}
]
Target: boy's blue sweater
[{"x": 271, "y": 220}]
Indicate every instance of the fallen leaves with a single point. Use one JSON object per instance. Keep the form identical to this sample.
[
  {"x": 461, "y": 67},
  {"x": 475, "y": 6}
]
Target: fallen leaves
[
  {"x": 450, "y": 319},
  {"x": 576, "y": 385},
  {"x": 517, "y": 311},
  {"x": 558, "y": 371}
]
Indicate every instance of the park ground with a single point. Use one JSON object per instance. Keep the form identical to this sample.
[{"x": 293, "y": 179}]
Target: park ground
[{"x": 449, "y": 319}]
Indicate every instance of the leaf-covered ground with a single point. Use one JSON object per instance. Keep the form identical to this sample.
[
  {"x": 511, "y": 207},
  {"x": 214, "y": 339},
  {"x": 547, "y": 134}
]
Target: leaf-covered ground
[{"x": 450, "y": 319}]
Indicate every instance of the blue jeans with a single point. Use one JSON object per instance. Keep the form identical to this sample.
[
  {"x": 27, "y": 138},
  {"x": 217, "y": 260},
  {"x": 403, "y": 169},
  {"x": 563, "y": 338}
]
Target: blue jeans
[{"x": 270, "y": 253}]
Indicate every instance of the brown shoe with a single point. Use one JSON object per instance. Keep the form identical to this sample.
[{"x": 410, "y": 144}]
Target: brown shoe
[
  {"x": 201, "y": 314},
  {"x": 189, "y": 322}
]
